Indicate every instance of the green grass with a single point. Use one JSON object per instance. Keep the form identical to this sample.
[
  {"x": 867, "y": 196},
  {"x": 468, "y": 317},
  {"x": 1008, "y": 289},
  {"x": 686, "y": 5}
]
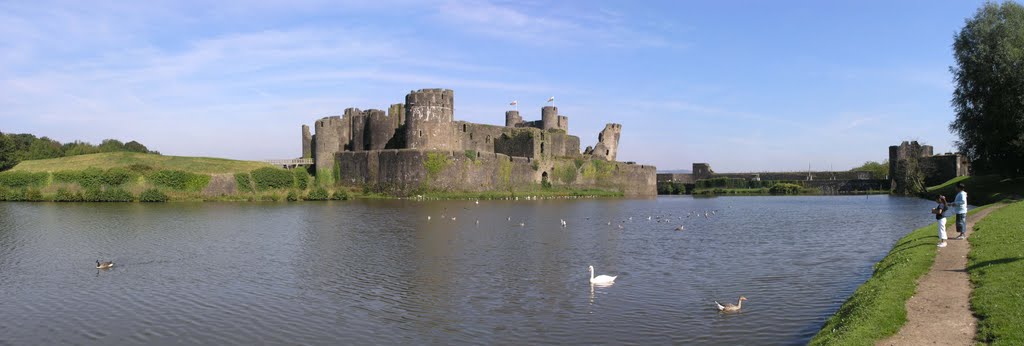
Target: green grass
[
  {"x": 877, "y": 309},
  {"x": 996, "y": 266},
  {"x": 204, "y": 165},
  {"x": 981, "y": 190}
]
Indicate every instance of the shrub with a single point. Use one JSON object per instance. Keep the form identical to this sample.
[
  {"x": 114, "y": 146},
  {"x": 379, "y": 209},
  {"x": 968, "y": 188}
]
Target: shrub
[
  {"x": 272, "y": 178},
  {"x": 15, "y": 195},
  {"x": 566, "y": 173},
  {"x": 153, "y": 195},
  {"x": 107, "y": 195},
  {"x": 116, "y": 176},
  {"x": 33, "y": 195},
  {"x": 784, "y": 189},
  {"x": 65, "y": 195},
  {"x": 318, "y": 194},
  {"x": 244, "y": 182},
  {"x": 270, "y": 197},
  {"x": 292, "y": 196},
  {"x": 340, "y": 195},
  {"x": 23, "y": 179},
  {"x": 301, "y": 178},
  {"x": 180, "y": 180},
  {"x": 140, "y": 168},
  {"x": 471, "y": 154}
]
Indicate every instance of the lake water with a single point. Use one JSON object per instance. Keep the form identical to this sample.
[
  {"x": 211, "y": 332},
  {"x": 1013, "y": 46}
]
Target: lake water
[{"x": 378, "y": 272}]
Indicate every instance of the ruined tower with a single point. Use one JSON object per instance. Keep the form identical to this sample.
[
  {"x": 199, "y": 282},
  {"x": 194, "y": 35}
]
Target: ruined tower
[
  {"x": 512, "y": 118},
  {"x": 607, "y": 142},
  {"x": 307, "y": 143},
  {"x": 428, "y": 119}
]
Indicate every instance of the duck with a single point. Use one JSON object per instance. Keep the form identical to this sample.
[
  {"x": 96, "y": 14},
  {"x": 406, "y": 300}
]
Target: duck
[
  {"x": 104, "y": 265},
  {"x": 600, "y": 279},
  {"x": 680, "y": 228},
  {"x": 730, "y": 307},
  {"x": 563, "y": 222}
]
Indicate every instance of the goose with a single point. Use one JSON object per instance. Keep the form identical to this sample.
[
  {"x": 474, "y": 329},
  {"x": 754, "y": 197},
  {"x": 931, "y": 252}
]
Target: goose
[
  {"x": 104, "y": 265},
  {"x": 730, "y": 307},
  {"x": 478, "y": 202},
  {"x": 600, "y": 279},
  {"x": 563, "y": 222},
  {"x": 428, "y": 217},
  {"x": 522, "y": 224}
]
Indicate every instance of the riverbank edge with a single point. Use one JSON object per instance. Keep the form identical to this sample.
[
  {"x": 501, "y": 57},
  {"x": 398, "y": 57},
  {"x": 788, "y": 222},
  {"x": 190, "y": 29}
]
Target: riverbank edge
[
  {"x": 877, "y": 308},
  {"x": 995, "y": 264}
]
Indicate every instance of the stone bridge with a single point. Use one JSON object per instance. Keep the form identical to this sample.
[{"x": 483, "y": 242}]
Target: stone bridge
[{"x": 290, "y": 163}]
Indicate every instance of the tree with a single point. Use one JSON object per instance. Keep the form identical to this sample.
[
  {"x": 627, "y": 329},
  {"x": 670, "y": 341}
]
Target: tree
[
  {"x": 7, "y": 149},
  {"x": 111, "y": 145},
  {"x": 135, "y": 147},
  {"x": 989, "y": 75},
  {"x": 878, "y": 170},
  {"x": 44, "y": 148}
]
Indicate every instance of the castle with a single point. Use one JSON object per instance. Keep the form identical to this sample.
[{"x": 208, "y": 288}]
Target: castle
[
  {"x": 418, "y": 145},
  {"x": 914, "y": 160}
]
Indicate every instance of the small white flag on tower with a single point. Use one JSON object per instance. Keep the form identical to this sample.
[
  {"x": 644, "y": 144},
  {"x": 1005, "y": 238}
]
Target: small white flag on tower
[
  {"x": 551, "y": 99},
  {"x": 513, "y": 103}
]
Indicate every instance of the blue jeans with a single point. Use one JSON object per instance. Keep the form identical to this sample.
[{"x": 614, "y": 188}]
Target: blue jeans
[{"x": 961, "y": 223}]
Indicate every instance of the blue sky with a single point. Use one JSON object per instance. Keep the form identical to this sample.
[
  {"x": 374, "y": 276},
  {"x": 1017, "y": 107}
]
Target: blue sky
[{"x": 743, "y": 85}]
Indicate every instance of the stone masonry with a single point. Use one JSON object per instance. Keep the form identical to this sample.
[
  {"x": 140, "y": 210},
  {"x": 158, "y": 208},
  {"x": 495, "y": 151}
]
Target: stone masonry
[{"x": 426, "y": 123}]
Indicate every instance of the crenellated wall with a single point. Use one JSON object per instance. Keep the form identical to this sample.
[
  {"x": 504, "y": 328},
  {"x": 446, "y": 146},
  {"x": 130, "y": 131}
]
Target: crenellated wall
[{"x": 405, "y": 171}]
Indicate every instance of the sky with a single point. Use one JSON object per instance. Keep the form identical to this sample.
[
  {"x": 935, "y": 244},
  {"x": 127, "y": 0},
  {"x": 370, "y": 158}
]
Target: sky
[{"x": 742, "y": 85}]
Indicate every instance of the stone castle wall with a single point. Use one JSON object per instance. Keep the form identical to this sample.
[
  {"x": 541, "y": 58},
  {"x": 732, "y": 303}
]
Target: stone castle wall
[{"x": 405, "y": 172}]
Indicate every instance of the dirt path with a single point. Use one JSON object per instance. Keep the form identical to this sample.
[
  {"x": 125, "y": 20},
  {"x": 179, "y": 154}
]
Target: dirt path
[{"x": 939, "y": 313}]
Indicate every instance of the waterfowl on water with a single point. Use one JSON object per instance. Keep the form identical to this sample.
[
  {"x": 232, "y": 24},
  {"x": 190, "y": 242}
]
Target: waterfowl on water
[
  {"x": 104, "y": 265},
  {"x": 730, "y": 307},
  {"x": 600, "y": 279}
]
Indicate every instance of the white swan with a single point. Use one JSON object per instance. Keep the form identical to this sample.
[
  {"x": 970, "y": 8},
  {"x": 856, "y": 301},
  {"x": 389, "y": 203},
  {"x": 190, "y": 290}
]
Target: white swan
[{"x": 600, "y": 279}]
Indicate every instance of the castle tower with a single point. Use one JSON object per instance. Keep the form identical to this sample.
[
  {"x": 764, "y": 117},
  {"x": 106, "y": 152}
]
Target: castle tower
[
  {"x": 307, "y": 142},
  {"x": 396, "y": 113},
  {"x": 549, "y": 117},
  {"x": 379, "y": 129},
  {"x": 428, "y": 119},
  {"x": 357, "y": 141},
  {"x": 608, "y": 142},
  {"x": 332, "y": 134},
  {"x": 512, "y": 118}
]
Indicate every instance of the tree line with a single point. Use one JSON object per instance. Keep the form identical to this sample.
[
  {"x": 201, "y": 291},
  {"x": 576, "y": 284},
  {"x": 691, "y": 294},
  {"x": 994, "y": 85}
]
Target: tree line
[{"x": 17, "y": 147}]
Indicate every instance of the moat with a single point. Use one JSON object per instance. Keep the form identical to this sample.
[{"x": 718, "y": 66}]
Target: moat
[{"x": 378, "y": 272}]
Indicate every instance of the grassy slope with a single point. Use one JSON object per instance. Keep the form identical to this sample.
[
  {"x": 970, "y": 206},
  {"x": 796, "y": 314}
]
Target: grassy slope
[
  {"x": 877, "y": 309},
  {"x": 981, "y": 190},
  {"x": 996, "y": 266},
  {"x": 205, "y": 165}
]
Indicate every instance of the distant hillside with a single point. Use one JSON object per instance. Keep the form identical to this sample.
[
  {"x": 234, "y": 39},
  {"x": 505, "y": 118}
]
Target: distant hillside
[
  {"x": 203, "y": 165},
  {"x": 676, "y": 171}
]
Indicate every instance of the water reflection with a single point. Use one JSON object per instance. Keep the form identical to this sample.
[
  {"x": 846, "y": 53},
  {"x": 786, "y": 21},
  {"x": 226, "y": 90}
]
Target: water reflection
[{"x": 380, "y": 272}]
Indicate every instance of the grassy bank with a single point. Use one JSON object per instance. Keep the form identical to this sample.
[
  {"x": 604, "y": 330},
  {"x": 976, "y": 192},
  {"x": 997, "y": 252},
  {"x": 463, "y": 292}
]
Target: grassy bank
[
  {"x": 877, "y": 309},
  {"x": 981, "y": 190},
  {"x": 996, "y": 266},
  {"x": 127, "y": 177},
  {"x": 202, "y": 165}
]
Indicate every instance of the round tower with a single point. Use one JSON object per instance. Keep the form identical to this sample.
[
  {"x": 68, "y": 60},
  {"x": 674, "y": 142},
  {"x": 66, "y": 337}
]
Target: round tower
[
  {"x": 512, "y": 118},
  {"x": 549, "y": 117},
  {"x": 428, "y": 119}
]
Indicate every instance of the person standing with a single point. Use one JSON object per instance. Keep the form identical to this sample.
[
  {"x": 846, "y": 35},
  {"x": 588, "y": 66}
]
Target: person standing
[
  {"x": 960, "y": 208},
  {"x": 940, "y": 214}
]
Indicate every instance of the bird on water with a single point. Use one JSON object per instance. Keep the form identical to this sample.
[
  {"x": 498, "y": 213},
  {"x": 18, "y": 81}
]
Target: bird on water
[
  {"x": 104, "y": 265},
  {"x": 600, "y": 279},
  {"x": 730, "y": 307}
]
